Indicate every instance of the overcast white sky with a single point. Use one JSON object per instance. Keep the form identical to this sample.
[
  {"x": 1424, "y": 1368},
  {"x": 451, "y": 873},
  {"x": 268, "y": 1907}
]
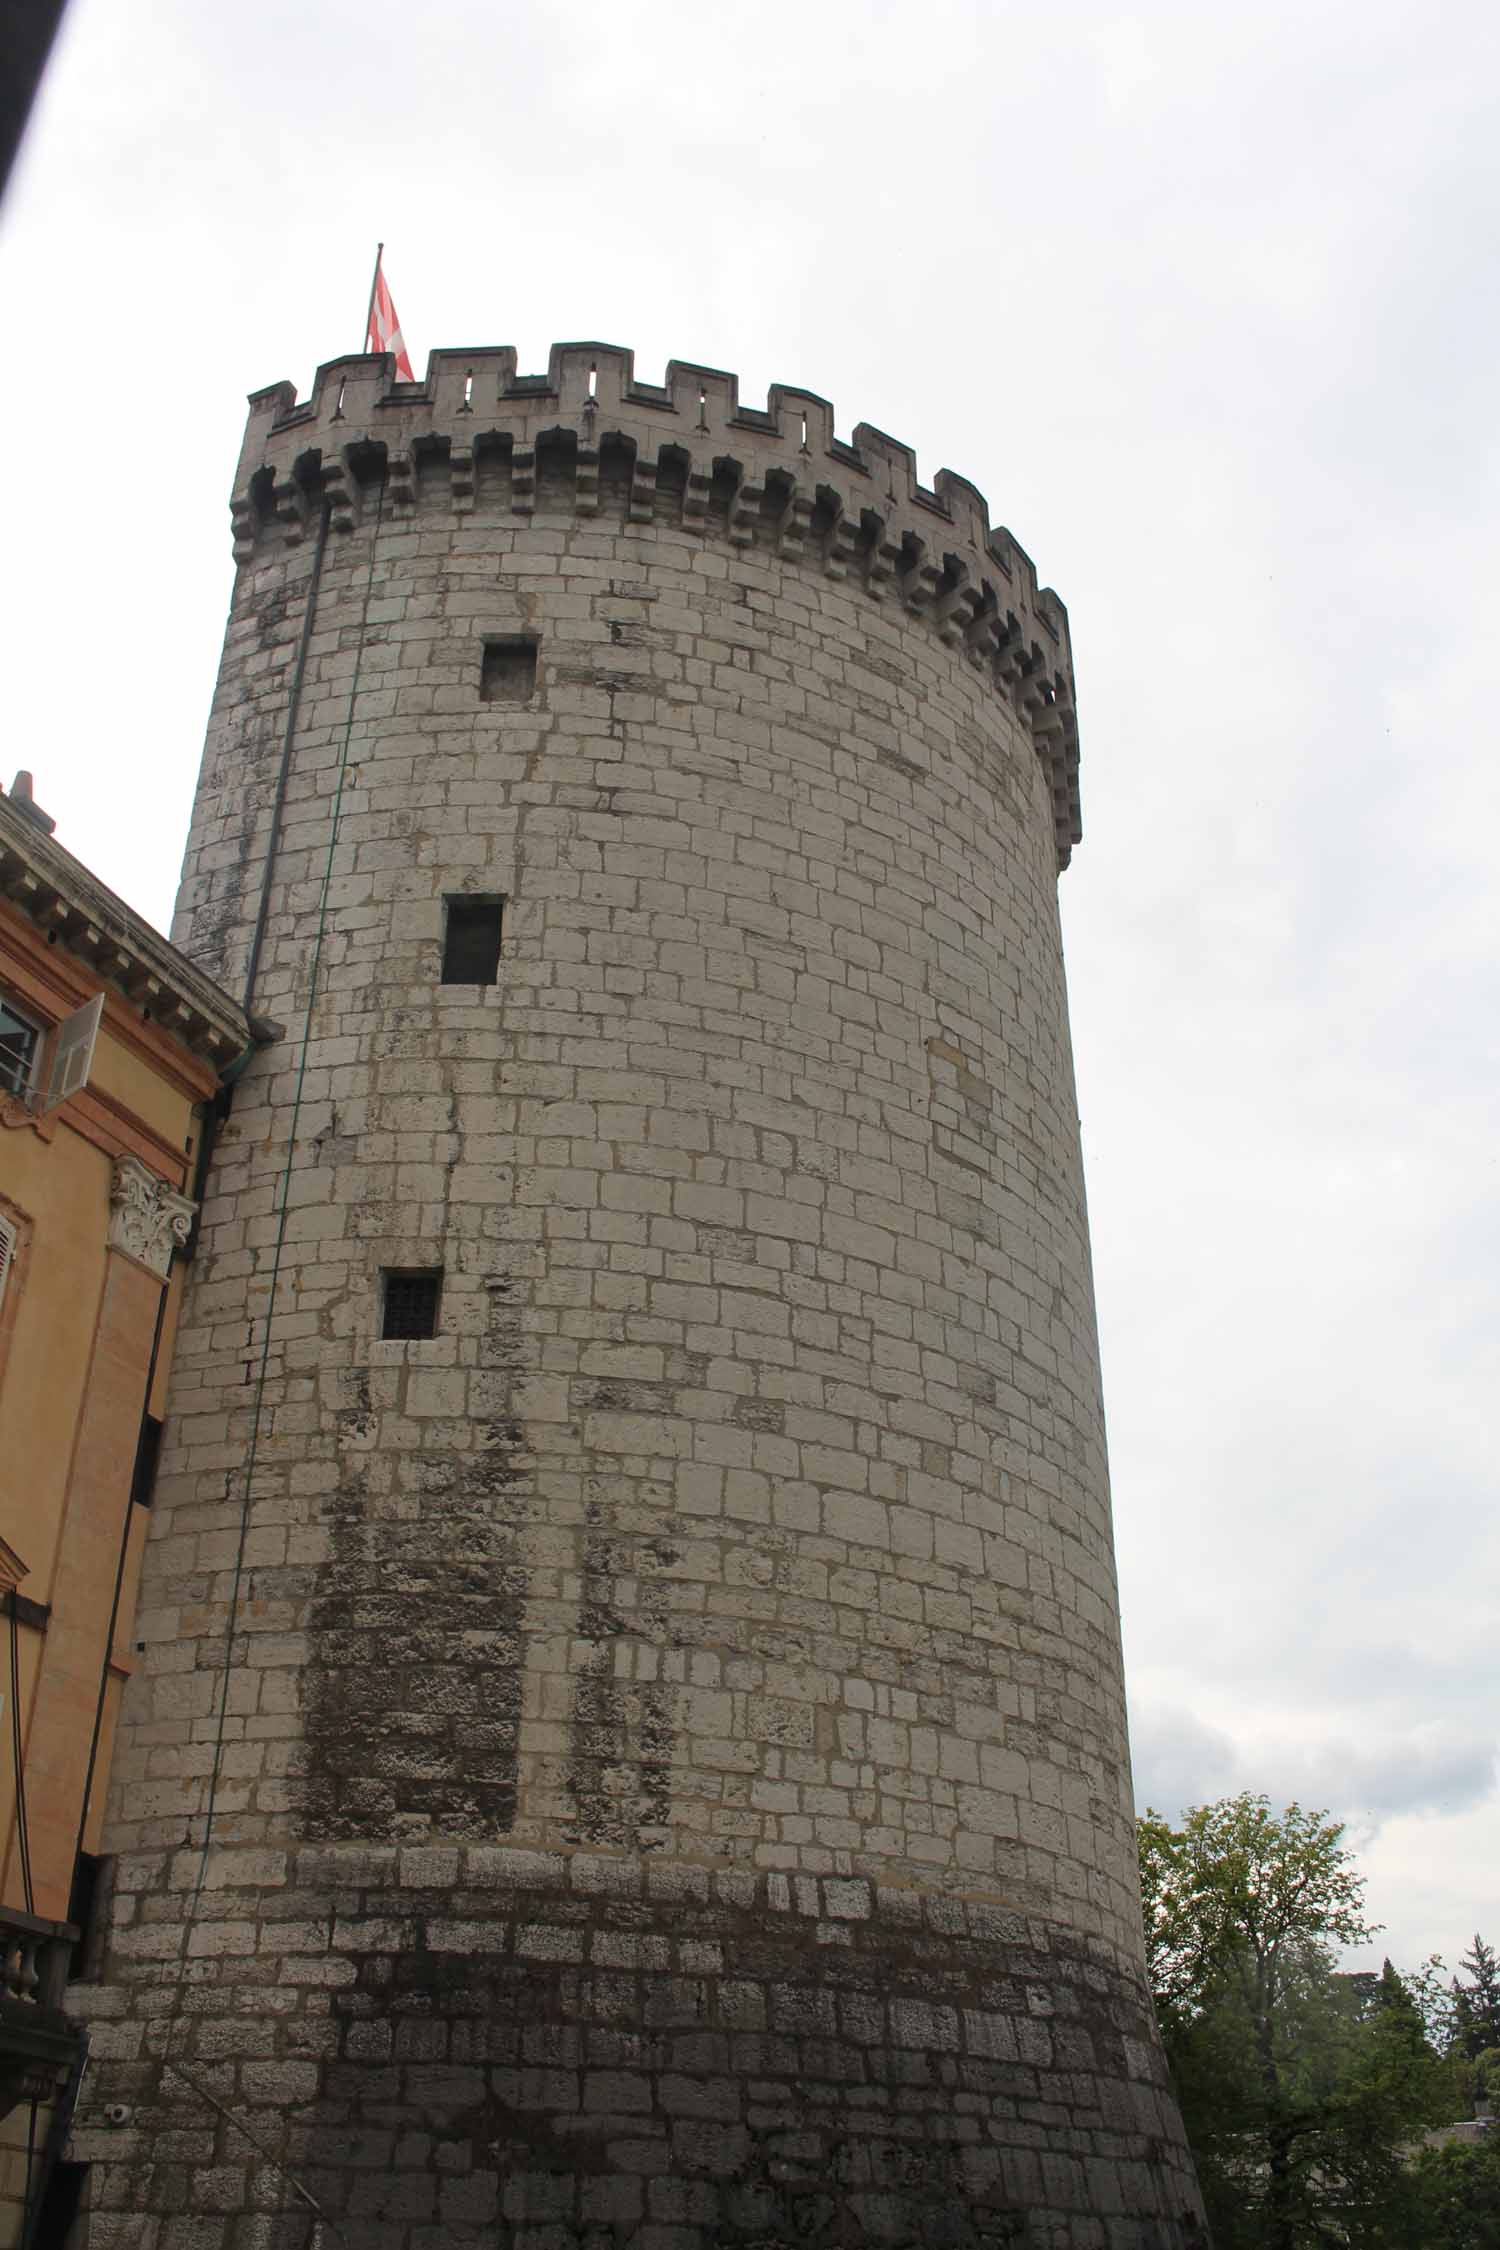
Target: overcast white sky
[{"x": 1205, "y": 300}]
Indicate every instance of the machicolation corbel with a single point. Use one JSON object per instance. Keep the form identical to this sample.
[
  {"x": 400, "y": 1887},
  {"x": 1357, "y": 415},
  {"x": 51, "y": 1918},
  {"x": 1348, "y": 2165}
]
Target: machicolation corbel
[{"x": 589, "y": 439}]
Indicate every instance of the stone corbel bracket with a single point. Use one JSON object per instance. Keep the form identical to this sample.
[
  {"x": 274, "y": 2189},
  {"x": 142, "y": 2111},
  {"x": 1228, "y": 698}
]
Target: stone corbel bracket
[{"x": 685, "y": 451}]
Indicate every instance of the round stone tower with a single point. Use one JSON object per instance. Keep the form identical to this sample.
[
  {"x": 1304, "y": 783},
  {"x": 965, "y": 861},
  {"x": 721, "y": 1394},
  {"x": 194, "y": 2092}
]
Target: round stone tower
[{"x": 628, "y": 1746}]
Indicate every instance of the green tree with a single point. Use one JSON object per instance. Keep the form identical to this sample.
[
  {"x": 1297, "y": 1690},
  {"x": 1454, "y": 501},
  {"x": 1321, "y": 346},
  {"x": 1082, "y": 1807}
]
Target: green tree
[
  {"x": 1298, "y": 2086},
  {"x": 1456, "y": 2196},
  {"x": 1476, "y": 2001}
]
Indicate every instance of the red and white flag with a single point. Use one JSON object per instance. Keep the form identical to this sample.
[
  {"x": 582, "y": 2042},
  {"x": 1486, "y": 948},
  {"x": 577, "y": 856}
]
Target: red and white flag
[{"x": 384, "y": 332}]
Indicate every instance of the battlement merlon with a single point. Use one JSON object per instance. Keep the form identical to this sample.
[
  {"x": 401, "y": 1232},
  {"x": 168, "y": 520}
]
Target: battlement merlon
[{"x": 857, "y": 508}]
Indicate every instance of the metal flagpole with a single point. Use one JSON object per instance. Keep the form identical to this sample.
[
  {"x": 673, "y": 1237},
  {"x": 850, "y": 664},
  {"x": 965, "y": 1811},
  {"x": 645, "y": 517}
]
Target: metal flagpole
[{"x": 374, "y": 285}]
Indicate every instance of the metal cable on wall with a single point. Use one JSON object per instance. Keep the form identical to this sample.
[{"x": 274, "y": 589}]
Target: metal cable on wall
[{"x": 169, "y": 2062}]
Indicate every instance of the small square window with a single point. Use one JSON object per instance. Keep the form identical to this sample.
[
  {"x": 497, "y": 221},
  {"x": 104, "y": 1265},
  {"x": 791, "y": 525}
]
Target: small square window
[
  {"x": 410, "y": 1308},
  {"x": 507, "y": 672},
  {"x": 19, "y": 1041},
  {"x": 472, "y": 929}
]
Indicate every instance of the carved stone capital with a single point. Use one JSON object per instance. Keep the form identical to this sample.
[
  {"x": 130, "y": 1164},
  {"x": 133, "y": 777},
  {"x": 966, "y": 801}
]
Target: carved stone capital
[{"x": 147, "y": 1220}]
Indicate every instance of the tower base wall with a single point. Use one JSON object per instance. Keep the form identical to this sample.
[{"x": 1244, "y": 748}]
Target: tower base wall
[{"x": 450, "y": 2048}]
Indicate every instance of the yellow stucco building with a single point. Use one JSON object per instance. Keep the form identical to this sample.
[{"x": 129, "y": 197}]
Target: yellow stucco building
[{"x": 113, "y": 1052}]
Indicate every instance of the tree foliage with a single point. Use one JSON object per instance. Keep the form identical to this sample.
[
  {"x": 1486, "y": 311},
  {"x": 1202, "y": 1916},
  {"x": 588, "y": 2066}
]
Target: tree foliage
[
  {"x": 1301, "y": 2089},
  {"x": 1476, "y": 2002},
  {"x": 1456, "y": 2196}
]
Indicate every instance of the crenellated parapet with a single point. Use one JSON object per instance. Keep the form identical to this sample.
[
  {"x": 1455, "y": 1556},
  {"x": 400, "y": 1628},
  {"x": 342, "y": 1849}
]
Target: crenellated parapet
[{"x": 589, "y": 439}]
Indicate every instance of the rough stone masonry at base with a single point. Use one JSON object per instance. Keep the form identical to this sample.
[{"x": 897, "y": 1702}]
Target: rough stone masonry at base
[{"x": 628, "y": 1745}]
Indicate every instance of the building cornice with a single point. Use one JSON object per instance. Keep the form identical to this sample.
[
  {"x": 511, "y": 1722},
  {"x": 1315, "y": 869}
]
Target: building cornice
[{"x": 81, "y": 917}]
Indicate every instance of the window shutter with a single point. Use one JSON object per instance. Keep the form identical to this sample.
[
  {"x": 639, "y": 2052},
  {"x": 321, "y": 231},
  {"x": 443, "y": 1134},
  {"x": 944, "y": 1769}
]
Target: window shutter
[
  {"x": 10, "y": 1235},
  {"x": 73, "y": 1053}
]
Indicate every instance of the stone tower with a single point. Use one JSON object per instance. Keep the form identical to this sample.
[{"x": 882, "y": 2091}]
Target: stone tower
[{"x": 628, "y": 1748}]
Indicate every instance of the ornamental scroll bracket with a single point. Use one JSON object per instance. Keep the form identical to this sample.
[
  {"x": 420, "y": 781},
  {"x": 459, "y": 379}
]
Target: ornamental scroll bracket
[{"x": 147, "y": 1219}]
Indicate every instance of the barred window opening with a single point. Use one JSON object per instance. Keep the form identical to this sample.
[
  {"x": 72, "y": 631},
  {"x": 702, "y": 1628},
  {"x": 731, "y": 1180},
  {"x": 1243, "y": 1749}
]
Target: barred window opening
[
  {"x": 409, "y": 1310},
  {"x": 472, "y": 933}
]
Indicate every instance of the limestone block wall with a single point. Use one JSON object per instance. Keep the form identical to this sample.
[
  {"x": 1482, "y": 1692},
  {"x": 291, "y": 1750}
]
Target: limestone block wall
[{"x": 645, "y": 1764}]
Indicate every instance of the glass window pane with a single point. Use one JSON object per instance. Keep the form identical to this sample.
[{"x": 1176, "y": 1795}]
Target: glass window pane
[{"x": 18, "y": 1045}]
